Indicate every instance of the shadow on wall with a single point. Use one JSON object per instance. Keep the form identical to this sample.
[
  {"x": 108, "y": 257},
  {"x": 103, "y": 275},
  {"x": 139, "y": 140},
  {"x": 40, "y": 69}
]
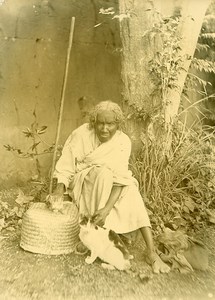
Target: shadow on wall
[{"x": 34, "y": 39}]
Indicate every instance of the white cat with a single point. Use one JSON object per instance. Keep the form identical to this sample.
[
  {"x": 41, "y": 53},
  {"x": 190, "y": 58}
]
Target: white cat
[{"x": 105, "y": 244}]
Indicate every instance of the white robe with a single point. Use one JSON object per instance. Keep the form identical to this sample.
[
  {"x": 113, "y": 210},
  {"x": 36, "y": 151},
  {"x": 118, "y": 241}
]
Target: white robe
[{"x": 89, "y": 169}]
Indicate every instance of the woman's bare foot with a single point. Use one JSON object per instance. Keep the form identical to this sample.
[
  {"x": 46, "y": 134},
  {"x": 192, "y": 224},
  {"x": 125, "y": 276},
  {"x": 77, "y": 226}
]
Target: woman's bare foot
[{"x": 158, "y": 266}]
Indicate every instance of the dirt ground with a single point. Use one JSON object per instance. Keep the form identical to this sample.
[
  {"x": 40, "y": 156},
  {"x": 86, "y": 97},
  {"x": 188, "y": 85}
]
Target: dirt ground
[{"x": 26, "y": 275}]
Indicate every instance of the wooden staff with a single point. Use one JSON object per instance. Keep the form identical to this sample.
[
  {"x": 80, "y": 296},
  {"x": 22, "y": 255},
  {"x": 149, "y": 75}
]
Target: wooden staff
[{"x": 62, "y": 101}]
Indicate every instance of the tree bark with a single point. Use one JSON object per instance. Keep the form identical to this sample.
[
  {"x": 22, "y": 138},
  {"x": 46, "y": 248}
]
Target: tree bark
[
  {"x": 193, "y": 12},
  {"x": 138, "y": 49}
]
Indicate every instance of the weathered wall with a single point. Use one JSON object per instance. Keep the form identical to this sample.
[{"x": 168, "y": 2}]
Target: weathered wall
[{"x": 34, "y": 38}]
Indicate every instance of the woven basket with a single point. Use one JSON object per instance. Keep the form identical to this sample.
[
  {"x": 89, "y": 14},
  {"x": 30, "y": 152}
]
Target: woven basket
[{"x": 47, "y": 232}]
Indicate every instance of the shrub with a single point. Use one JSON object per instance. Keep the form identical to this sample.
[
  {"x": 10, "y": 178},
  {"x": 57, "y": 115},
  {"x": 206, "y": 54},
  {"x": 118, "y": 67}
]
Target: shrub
[{"x": 178, "y": 190}]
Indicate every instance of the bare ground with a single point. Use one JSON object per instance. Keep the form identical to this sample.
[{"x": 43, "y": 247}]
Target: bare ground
[{"x": 24, "y": 275}]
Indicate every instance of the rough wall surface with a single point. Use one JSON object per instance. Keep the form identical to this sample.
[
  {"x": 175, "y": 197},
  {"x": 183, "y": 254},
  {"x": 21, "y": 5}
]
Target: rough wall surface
[{"x": 34, "y": 38}]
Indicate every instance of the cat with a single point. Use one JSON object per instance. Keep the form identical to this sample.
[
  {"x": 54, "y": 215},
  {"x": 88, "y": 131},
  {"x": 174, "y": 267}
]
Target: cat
[
  {"x": 55, "y": 203},
  {"x": 105, "y": 244},
  {"x": 61, "y": 205}
]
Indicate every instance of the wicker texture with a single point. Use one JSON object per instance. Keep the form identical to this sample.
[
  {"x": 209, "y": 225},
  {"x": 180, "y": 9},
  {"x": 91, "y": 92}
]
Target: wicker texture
[{"x": 47, "y": 232}]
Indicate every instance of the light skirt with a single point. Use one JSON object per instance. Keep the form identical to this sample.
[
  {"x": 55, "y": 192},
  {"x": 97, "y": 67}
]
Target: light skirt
[{"x": 91, "y": 190}]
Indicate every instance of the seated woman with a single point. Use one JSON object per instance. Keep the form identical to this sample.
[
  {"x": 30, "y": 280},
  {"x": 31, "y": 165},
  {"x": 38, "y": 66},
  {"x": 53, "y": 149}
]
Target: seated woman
[{"x": 93, "y": 169}]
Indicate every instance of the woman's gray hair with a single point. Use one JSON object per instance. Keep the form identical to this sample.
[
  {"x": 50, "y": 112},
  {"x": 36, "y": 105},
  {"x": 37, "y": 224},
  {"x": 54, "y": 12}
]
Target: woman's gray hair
[{"x": 106, "y": 106}]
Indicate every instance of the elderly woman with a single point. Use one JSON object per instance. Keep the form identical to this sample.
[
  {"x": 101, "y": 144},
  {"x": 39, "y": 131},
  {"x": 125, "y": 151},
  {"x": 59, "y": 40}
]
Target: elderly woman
[{"x": 93, "y": 169}]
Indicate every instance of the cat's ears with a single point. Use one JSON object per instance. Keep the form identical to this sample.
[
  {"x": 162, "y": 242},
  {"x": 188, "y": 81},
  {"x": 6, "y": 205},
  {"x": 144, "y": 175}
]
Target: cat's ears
[{"x": 83, "y": 220}]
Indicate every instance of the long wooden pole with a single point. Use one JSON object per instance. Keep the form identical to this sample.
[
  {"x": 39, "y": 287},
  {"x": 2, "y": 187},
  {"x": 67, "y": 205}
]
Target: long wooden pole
[{"x": 62, "y": 102}]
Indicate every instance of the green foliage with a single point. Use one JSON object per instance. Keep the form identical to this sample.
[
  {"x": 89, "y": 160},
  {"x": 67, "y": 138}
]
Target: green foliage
[
  {"x": 208, "y": 36},
  {"x": 178, "y": 190},
  {"x": 167, "y": 62},
  {"x": 202, "y": 47},
  {"x": 9, "y": 215},
  {"x": 13, "y": 204},
  {"x": 33, "y": 133},
  {"x": 178, "y": 186},
  {"x": 201, "y": 73},
  {"x": 203, "y": 65}
]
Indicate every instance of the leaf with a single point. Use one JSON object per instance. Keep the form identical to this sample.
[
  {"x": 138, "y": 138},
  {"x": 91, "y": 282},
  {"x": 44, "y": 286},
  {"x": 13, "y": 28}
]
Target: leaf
[
  {"x": 4, "y": 204},
  {"x": 19, "y": 151},
  {"x": 22, "y": 198},
  {"x": 42, "y": 129},
  {"x": 34, "y": 146},
  {"x": 27, "y": 132},
  {"x": 211, "y": 215},
  {"x": 208, "y": 35},
  {"x": 8, "y": 147},
  {"x": 10, "y": 228},
  {"x": 176, "y": 205},
  {"x": 202, "y": 47},
  {"x": 2, "y": 223},
  {"x": 186, "y": 209},
  {"x": 179, "y": 221},
  {"x": 3, "y": 237},
  {"x": 203, "y": 65},
  {"x": 211, "y": 219},
  {"x": 14, "y": 210},
  {"x": 190, "y": 204},
  {"x": 20, "y": 212},
  {"x": 174, "y": 226}
]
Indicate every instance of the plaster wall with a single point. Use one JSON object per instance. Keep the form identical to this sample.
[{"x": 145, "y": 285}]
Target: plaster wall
[{"x": 33, "y": 45}]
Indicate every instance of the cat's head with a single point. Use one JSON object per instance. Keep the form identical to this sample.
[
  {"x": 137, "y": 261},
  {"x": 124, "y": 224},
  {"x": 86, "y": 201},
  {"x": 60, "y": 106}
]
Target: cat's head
[
  {"x": 87, "y": 222},
  {"x": 55, "y": 203}
]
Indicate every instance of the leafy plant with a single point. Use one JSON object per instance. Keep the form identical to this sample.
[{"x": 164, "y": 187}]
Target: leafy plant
[
  {"x": 200, "y": 76},
  {"x": 168, "y": 61},
  {"x": 11, "y": 212},
  {"x": 34, "y": 133},
  {"x": 178, "y": 190}
]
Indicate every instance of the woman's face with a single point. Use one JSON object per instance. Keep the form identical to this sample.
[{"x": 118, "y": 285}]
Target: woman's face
[{"x": 105, "y": 125}]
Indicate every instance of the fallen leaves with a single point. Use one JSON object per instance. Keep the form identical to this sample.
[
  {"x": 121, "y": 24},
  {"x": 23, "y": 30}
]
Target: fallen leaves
[
  {"x": 2, "y": 223},
  {"x": 22, "y": 198},
  {"x": 211, "y": 215},
  {"x": 10, "y": 215}
]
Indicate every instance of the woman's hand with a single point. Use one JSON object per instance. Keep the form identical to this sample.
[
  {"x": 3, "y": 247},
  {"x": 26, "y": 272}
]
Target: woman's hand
[{"x": 100, "y": 216}]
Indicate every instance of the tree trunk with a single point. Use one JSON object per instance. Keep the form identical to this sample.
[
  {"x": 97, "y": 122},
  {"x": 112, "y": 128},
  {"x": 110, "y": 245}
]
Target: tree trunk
[
  {"x": 138, "y": 49},
  {"x": 193, "y": 12}
]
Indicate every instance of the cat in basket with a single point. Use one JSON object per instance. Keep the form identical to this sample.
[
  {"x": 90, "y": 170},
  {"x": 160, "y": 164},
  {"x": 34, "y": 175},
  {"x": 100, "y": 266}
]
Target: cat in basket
[{"x": 105, "y": 244}]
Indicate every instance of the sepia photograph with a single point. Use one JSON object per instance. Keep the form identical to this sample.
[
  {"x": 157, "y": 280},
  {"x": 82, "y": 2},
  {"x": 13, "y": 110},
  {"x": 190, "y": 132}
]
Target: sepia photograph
[{"x": 107, "y": 145}]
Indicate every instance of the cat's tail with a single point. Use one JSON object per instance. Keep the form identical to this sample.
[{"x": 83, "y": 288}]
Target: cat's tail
[{"x": 81, "y": 249}]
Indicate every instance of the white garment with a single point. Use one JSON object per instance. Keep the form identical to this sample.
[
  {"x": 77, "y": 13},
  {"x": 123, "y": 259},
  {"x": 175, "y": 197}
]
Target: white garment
[{"x": 81, "y": 154}]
